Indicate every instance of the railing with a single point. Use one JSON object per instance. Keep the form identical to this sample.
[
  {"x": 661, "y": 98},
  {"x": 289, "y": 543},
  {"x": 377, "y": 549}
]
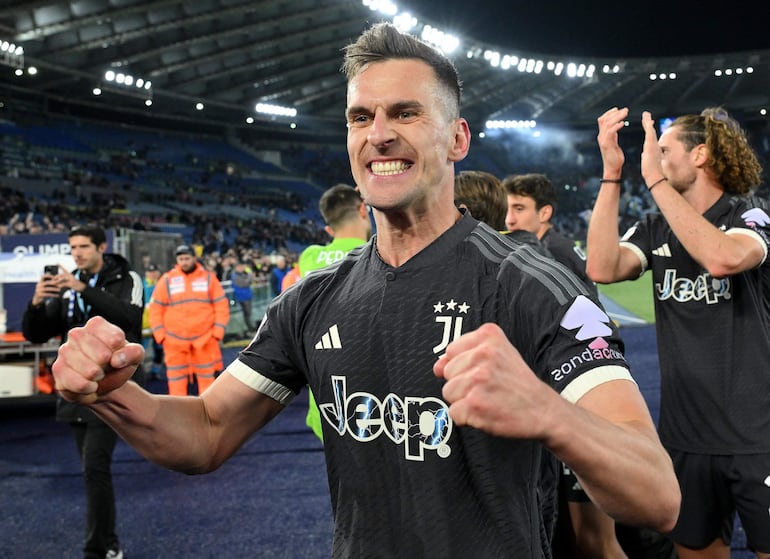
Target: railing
[{"x": 261, "y": 297}]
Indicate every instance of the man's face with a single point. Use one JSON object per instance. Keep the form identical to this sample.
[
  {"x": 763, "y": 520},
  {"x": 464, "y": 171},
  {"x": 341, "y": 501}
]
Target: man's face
[
  {"x": 401, "y": 142},
  {"x": 523, "y": 215},
  {"x": 677, "y": 163},
  {"x": 186, "y": 262},
  {"x": 87, "y": 256}
]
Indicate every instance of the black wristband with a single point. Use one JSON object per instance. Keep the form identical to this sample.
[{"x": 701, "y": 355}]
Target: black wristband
[
  {"x": 614, "y": 181},
  {"x": 656, "y": 183}
]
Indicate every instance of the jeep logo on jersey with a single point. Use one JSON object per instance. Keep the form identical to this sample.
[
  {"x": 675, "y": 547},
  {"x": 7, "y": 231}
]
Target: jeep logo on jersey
[
  {"x": 419, "y": 424},
  {"x": 683, "y": 290}
]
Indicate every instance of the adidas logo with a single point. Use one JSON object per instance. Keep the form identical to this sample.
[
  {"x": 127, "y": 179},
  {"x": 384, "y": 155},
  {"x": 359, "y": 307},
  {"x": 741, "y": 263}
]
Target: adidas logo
[
  {"x": 330, "y": 340},
  {"x": 662, "y": 250}
]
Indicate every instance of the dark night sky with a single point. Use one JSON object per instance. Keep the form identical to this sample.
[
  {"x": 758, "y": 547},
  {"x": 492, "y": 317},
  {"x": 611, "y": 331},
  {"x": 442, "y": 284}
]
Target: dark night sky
[{"x": 603, "y": 28}]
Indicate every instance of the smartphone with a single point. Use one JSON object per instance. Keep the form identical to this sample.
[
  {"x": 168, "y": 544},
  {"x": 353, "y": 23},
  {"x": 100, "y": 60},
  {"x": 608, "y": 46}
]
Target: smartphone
[{"x": 51, "y": 269}]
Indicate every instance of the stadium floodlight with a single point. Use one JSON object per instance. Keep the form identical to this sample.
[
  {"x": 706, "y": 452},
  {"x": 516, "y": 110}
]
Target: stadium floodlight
[
  {"x": 122, "y": 82},
  {"x": 446, "y": 42},
  {"x": 383, "y": 6},
  {"x": 275, "y": 110},
  {"x": 510, "y": 124},
  {"x": 11, "y": 54},
  {"x": 405, "y": 22}
]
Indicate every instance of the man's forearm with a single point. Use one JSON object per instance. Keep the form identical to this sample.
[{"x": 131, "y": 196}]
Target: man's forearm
[
  {"x": 160, "y": 428},
  {"x": 602, "y": 249},
  {"x": 621, "y": 465},
  {"x": 720, "y": 254}
]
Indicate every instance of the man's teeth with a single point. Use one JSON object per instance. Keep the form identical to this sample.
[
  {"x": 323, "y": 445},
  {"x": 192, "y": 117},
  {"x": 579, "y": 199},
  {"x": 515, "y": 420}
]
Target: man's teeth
[{"x": 389, "y": 167}]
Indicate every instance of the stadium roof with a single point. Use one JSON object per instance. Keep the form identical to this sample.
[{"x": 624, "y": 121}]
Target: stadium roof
[{"x": 230, "y": 55}]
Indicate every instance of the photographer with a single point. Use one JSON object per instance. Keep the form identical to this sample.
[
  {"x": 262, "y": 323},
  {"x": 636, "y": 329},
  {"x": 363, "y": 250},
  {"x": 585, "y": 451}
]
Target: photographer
[{"x": 102, "y": 285}]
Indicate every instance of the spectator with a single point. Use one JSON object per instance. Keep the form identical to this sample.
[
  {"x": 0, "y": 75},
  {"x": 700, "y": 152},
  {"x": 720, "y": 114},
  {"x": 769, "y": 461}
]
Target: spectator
[
  {"x": 278, "y": 272},
  {"x": 151, "y": 277},
  {"x": 188, "y": 315},
  {"x": 242, "y": 279},
  {"x": 102, "y": 285}
]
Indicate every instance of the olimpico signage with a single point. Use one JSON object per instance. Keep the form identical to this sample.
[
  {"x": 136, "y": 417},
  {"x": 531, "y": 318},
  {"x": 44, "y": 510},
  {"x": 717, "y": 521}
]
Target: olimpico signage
[
  {"x": 23, "y": 256},
  {"x": 26, "y": 244},
  {"x": 42, "y": 244}
]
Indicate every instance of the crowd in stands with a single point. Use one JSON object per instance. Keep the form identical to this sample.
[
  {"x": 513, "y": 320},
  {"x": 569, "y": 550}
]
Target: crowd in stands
[{"x": 224, "y": 208}]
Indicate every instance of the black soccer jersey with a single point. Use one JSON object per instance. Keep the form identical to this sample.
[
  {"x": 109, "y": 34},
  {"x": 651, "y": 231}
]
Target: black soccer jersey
[
  {"x": 568, "y": 253},
  {"x": 404, "y": 480},
  {"x": 713, "y": 336}
]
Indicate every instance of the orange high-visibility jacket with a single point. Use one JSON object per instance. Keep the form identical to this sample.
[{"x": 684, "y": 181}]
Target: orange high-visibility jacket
[{"x": 188, "y": 308}]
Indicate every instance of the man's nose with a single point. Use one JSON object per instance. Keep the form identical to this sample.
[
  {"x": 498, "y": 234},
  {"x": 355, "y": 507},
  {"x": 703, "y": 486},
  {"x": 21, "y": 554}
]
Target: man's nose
[{"x": 381, "y": 132}]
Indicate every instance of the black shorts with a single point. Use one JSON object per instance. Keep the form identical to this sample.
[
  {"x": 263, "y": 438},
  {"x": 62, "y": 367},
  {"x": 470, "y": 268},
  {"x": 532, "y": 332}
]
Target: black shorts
[
  {"x": 570, "y": 486},
  {"x": 714, "y": 487},
  {"x": 636, "y": 542}
]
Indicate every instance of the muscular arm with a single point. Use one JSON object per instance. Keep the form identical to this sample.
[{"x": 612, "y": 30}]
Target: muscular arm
[
  {"x": 606, "y": 260},
  {"x": 192, "y": 435},
  {"x": 721, "y": 254},
  {"x": 608, "y": 438}
]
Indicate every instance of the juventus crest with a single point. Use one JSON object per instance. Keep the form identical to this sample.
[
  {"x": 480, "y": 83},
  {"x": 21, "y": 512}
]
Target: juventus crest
[{"x": 450, "y": 316}]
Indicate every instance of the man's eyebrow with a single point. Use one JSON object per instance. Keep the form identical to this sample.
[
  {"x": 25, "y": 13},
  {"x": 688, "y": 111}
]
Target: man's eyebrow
[
  {"x": 356, "y": 110},
  {"x": 402, "y": 105},
  {"x": 395, "y": 107}
]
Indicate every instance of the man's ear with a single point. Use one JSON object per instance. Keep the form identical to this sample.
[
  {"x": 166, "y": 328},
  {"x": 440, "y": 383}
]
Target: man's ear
[
  {"x": 700, "y": 155},
  {"x": 462, "y": 140},
  {"x": 546, "y": 213},
  {"x": 363, "y": 211}
]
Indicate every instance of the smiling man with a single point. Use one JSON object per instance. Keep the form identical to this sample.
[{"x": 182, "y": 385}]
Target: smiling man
[{"x": 443, "y": 355}]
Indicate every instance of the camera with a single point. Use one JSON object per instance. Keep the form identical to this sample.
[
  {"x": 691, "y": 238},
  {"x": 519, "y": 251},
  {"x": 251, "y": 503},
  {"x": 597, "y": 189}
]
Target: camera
[{"x": 51, "y": 269}]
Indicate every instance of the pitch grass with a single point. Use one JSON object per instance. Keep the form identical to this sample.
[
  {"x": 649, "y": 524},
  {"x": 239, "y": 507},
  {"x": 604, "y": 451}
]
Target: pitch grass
[{"x": 634, "y": 296}]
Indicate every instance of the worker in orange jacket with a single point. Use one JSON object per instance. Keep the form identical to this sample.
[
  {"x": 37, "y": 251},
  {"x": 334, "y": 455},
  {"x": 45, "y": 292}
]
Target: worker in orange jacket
[{"x": 188, "y": 315}]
